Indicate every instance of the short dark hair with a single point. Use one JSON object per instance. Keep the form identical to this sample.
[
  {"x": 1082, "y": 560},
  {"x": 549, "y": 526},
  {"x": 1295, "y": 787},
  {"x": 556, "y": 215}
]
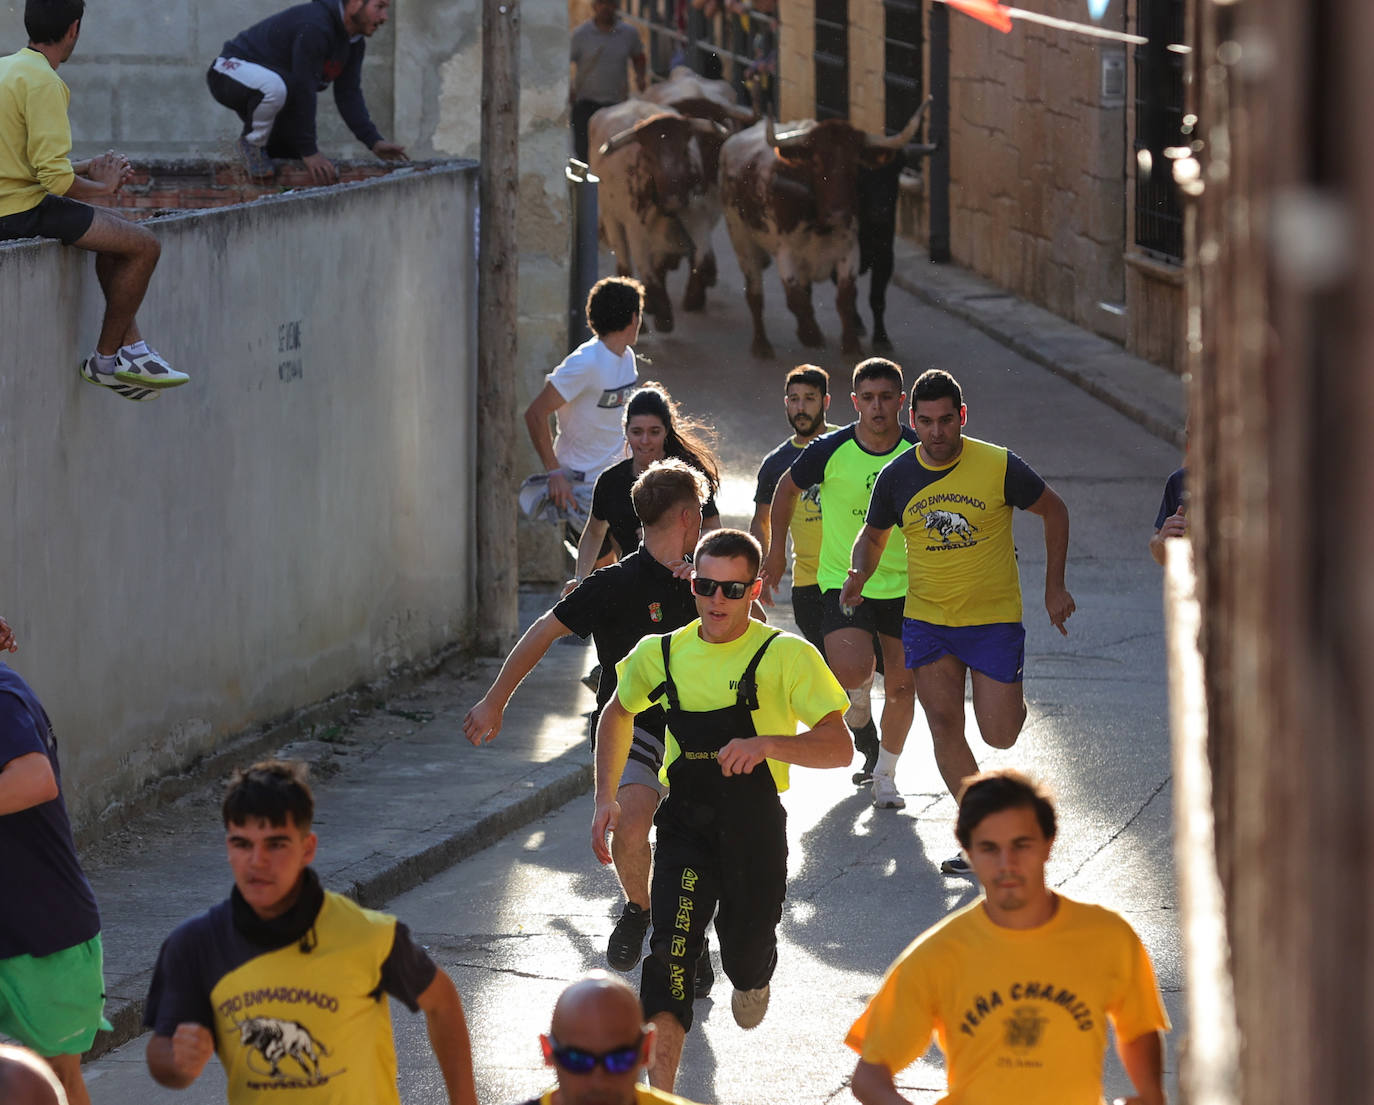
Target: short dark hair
[
  {"x": 876, "y": 368},
  {"x": 664, "y": 485},
  {"x": 994, "y": 791},
  {"x": 731, "y": 542},
  {"x": 936, "y": 383},
  {"x": 613, "y": 303},
  {"x": 811, "y": 375},
  {"x": 47, "y": 20},
  {"x": 274, "y": 790}
]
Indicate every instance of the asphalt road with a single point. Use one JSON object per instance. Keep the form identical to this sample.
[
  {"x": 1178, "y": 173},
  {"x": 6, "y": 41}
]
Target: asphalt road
[{"x": 514, "y": 923}]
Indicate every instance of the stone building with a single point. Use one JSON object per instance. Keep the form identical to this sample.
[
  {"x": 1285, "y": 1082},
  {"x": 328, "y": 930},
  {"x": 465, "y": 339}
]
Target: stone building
[{"x": 1049, "y": 134}]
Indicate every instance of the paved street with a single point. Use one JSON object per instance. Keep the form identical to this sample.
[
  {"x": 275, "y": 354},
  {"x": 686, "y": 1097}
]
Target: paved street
[{"x": 518, "y": 920}]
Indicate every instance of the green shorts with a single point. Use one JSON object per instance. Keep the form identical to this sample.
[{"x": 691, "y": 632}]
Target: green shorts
[{"x": 54, "y": 1004}]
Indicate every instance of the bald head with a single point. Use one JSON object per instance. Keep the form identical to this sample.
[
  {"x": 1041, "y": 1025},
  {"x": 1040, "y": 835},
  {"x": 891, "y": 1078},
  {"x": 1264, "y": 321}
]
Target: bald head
[
  {"x": 26, "y": 1080},
  {"x": 597, "y": 1004}
]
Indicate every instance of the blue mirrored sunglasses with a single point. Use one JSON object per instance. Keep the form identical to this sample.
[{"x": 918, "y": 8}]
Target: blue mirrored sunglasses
[{"x": 575, "y": 1060}]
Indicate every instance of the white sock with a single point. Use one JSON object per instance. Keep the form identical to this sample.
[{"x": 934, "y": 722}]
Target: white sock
[
  {"x": 137, "y": 349},
  {"x": 105, "y": 364},
  {"x": 887, "y": 763}
]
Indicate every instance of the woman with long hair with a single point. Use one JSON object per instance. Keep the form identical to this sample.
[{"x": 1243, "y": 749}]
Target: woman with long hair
[{"x": 654, "y": 428}]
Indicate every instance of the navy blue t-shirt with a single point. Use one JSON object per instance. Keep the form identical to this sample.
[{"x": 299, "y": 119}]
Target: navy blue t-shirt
[
  {"x": 48, "y": 904},
  {"x": 1173, "y": 497}
]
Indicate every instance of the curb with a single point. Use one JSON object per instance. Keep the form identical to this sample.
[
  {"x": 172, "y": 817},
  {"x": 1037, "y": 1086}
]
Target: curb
[{"x": 550, "y": 786}]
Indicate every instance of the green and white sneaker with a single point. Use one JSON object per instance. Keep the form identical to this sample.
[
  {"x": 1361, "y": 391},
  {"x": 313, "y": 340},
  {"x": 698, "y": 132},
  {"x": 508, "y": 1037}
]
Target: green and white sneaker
[
  {"x": 92, "y": 375},
  {"x": 148, "y": 370}
]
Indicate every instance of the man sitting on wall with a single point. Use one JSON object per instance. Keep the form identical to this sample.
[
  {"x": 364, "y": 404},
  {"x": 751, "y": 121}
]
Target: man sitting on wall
[
  {"x": 41, "y": 192},
  {"x": 270, "y": 74}
]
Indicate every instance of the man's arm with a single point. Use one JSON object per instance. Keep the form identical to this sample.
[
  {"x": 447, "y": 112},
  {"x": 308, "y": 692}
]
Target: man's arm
[
  {"x": 1143, "y": 1059},
  {"x": 537, "y": 423},
  {"x": 348, "y": 98},
  {"x": 760, "y": 525},
  {"x": 863, "y": 560},
  {"x": 26, "y": 781},
  {"x": 826, "y": 744},
  {"x": 448, "y": 1037},
  {"x": 779, "y": 518},
  {"x": 614, "y": 733},
  {"x": 638, "y": 61},
  {"x": 1058, "y": 602},
  {"x": 100, "y": 176},
  {"x": 1176, "y": 525},
  {"x": 872, "y": 1084},
  {"x": 8, "y": 641},
  {"x": 483, "y": 721},
  {"x": 589, "y": 546},
  {"x": 176, "y": 1061}
]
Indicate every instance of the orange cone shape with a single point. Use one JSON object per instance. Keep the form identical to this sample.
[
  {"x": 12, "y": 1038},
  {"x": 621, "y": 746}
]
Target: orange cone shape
[{"x": 985, "y": 11}]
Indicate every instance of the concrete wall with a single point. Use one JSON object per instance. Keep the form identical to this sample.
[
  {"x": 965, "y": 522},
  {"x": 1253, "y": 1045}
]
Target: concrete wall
[{"x": 292, "y": 522}]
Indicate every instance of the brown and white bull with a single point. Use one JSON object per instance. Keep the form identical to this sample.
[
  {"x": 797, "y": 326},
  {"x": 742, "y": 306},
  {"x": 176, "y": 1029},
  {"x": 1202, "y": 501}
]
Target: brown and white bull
[
  {"x": 656, "y": 202},
  {"x": 792, "y": 196}
]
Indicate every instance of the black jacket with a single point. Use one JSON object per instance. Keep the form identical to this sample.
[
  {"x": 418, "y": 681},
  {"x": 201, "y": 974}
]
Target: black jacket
[{"x": 309, "y": 48}]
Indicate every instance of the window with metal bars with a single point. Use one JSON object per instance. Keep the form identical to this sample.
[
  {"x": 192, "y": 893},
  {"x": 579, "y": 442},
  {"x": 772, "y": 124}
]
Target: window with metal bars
[
  {"x": 1158, "y": 125},
  {"x": 903, "y": 78},
  {"x": 832, "y": 59}
]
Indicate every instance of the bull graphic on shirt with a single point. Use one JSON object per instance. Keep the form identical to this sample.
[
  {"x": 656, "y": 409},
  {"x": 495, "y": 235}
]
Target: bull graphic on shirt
[
  {"x": 275, "y": 1040},
  {"x": 947, "y": 523}
]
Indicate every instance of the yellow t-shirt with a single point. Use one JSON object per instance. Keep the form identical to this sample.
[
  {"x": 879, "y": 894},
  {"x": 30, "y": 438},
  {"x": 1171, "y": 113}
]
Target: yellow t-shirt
[
  {"x": 956, "y": 519},
  {"x": 1020, "y": 1015},
  {"x": 795, "y": 687},
  {"x": 315, "y": 1025},
  {"x": 806, "y": 518},
  {"x": 35, "y": 137}
]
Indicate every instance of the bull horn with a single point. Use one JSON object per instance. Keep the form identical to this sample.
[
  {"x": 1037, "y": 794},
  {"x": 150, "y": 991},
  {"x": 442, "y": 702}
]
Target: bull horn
[
  {"x": 629, "y": 134},
  {"x": 897, "y": 141},
  {"x": 788, "y": 139},
  {"x": 710, "y": 128}
]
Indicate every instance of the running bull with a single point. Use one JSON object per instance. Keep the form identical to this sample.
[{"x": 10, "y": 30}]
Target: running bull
[
  {"x": 656, "y": 202},
  {"x": 793, "y": 197}
]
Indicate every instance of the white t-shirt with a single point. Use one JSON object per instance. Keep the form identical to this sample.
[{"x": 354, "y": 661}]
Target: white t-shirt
[{"x": 596, "y": 385}]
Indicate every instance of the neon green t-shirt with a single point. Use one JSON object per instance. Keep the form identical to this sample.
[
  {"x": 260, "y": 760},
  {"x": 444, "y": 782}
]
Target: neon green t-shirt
[
  {"x": 795, "y": 687},
  {"x": 1020, "y": 1015}
]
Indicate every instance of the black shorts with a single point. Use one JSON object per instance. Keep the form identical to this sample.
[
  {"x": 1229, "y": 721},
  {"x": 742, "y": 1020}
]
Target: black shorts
[
  {"x": 806, "y": 611},
  {"x": 872, "y": 615},
  {"x": 53, "y": 217}
]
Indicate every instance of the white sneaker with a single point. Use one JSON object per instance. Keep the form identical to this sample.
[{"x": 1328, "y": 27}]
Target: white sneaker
[
  {"x": 885, "y": 795},
  {"x": 149, "y": 370},
  {"x": 749, "y": 1006},
  {"x": 90, "y": 372}
]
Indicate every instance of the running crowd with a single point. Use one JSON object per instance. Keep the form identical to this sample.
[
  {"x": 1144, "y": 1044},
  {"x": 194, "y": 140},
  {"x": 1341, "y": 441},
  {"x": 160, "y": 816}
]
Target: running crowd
[{"x": 702, "y": 709}]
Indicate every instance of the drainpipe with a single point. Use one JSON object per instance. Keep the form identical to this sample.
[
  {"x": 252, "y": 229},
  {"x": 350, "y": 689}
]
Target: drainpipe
[
  {"x": 582, "y": 248},
  {"x": 938, "y": 246}
]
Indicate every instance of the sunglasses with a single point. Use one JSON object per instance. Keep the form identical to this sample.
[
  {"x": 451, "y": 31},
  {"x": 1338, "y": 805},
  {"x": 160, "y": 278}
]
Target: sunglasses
[
  {"x": 733, "y": 588},
  {"x": 574, "y": 1060}
]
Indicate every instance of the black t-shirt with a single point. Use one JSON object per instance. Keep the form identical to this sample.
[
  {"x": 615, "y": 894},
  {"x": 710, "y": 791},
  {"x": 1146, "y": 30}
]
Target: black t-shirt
[
  {"x": 617, "y": 606},
  {"x": 1173, "y": 498},
  {"x": 611, "y": 503}
]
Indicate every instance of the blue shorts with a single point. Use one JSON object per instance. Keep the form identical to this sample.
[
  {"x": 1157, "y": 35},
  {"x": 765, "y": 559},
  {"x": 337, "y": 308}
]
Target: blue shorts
[{"x": 997, "y": 650}]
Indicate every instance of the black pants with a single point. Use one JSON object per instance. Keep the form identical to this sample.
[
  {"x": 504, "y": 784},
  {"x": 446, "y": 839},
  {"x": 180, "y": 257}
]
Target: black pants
[
  {"x": 740, "y": 876},
  {"x": 582, "y": 112}
]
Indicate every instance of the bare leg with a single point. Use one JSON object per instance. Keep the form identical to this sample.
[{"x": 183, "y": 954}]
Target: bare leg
[
  {"x": 668, "y": 1038},
  {"x": 899, "y": 695},
  {"x": 940, "y": 687},
  {"x": 126, "y": 256},
  {"x": 1000, "y": 709},
  {"x": 860, "y": 711},
  {"x": 630, "y": 841},
  {"x": 68, "y": 1071},
  {"x": 849, "y": 652}
]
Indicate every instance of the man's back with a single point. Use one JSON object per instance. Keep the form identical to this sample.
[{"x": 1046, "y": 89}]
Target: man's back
[{"x": 35, "y": 137}]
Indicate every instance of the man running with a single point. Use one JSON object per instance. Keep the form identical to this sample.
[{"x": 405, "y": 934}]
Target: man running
[
  {"x": 287, "y": 980},
  {"x": 953, "y": 499},
  {"x": 617, "y": 606},
  {"x": 735, "y": 693},
  {"x": 1019, "y": 985},
  {"x": 598, "y": 1043},
  {"x": 844, "y": 465},
  {"x": 806, "y": 399}
]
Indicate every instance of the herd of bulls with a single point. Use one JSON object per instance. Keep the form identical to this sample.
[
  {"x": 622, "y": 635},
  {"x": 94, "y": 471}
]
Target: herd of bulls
[{"x": 819, "y": 198}]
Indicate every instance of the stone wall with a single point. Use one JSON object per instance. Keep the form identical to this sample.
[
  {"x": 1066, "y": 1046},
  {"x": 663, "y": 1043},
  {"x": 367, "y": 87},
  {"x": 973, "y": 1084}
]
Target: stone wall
[{"x": 291, "y": 523}]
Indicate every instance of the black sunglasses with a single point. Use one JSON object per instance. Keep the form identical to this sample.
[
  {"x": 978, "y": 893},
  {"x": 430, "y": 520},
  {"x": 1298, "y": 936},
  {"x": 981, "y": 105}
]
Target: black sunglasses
[
  {"x": 574, "y": 1060},
  {"x": 733, "y": 588}
]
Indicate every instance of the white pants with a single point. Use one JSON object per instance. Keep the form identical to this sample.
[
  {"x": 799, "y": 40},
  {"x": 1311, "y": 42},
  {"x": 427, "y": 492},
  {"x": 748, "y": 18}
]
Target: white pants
[{"x": 259, "y": 79}]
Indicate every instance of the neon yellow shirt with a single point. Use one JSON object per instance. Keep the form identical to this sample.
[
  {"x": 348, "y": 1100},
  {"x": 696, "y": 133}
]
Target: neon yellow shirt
[
  {"x": 35, "y": 137},
  {"x": 806, "y": 518},
  {"x": 795, "y": 687},
  {"x": 1020, "y": 1015},
  {"x": 644, "y": 1095}
]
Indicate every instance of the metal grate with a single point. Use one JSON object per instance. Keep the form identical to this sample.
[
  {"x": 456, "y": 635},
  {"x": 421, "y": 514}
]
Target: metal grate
[
  {"x": 903, "y": 77},
  {"x": 832, "y": 59},
  {"x": 1159, "y": 125}
]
